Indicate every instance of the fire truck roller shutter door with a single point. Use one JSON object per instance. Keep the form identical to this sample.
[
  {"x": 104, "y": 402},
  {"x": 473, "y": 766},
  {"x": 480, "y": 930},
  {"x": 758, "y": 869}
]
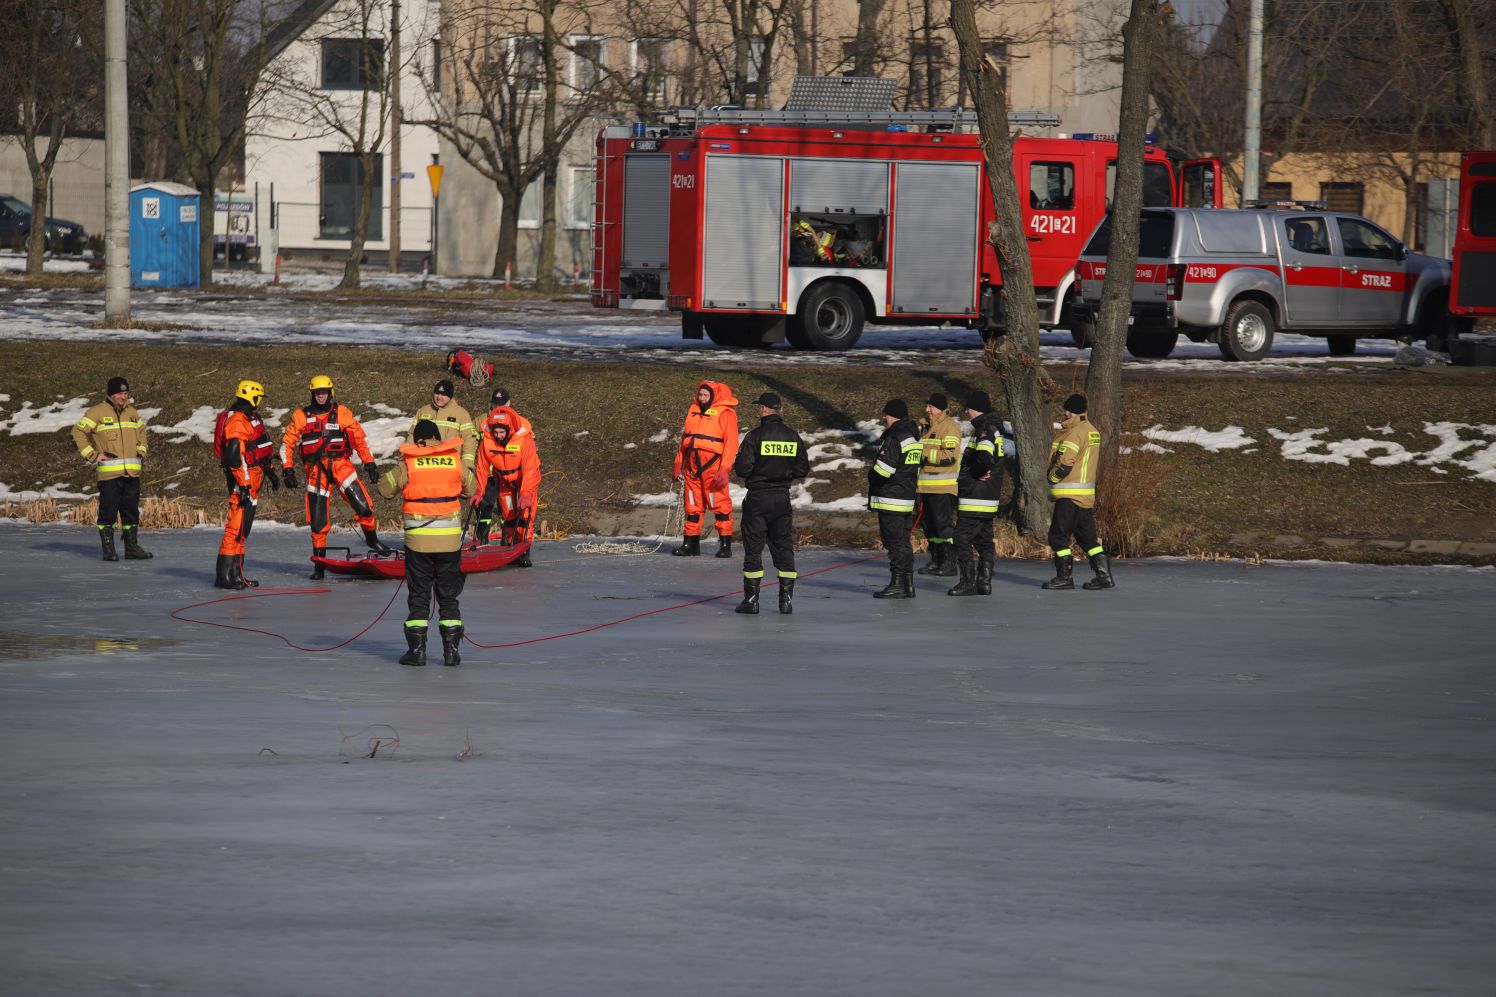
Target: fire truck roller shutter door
[
  {"x": 935, "y": 238},
  {"x": 646, "y": 211},
  {"x": 838, "y": 186},
  {"x": 743, "y": 262}
]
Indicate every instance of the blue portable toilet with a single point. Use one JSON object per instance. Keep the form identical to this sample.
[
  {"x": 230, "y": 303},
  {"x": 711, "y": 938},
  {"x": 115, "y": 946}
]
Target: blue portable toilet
[{"x": 164, "y": 221}]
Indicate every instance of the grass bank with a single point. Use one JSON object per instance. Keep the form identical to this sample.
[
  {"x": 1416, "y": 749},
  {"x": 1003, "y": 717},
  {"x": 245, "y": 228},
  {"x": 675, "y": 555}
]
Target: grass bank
[{"x": 1333, "y": 457}]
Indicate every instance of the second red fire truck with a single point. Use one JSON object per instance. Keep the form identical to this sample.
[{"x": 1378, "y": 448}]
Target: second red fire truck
[{"x": 804, "y": 224}]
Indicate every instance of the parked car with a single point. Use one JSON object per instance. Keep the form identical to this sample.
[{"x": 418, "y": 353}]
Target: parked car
[
  {"x": 1234, "y": 277},
  {"x": 62, "y": 235}
]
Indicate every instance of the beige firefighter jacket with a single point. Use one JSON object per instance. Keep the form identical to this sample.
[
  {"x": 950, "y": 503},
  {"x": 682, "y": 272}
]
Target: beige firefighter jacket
[
  {"x": 451, "y": 420},
  {"x": 117, "y": 437},
  {"x": 1073, "y": 457},
  {"x": 940, "y": 459}
]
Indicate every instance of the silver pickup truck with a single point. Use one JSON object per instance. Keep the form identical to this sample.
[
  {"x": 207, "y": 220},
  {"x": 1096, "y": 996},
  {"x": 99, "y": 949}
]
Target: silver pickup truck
[{"x": 1233, "y": 277}]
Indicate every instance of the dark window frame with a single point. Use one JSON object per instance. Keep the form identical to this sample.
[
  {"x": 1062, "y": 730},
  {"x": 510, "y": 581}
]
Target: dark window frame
[
  {"x": 331, "y": 164},
  {"x": 1072, "y": 171},
  {"x": 356, "y": 64}
]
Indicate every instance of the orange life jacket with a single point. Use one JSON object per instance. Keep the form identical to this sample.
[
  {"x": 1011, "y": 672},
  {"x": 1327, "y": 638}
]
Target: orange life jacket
[
  {"x": 707, "y": 428},
  {"x": 323, "y": 435},
  {"x": 434, "y": 487}
]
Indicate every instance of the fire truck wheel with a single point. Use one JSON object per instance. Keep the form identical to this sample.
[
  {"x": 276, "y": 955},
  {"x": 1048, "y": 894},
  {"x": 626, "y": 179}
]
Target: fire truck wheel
[
  {"x": 830, "y": 317},
  {"x": 1151, "y": 345},
  {"x": 1342, "y": 346},
  {"x": 1247, "y": 333}
]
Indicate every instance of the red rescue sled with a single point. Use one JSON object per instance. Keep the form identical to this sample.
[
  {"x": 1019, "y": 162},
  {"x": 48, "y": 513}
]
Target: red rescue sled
[{"x": 475, "y": 558}]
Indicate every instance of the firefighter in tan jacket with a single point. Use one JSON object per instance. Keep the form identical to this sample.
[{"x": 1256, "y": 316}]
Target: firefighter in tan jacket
[
  {"x": 939, "y": 466},
  {"x": 450, "y": 420},
  {"x": 1073, "y": 459},
  {"x": 111, "y": 436}
]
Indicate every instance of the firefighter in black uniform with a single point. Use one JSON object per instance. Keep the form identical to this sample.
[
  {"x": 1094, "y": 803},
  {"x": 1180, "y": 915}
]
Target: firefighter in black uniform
[
  {"x": 978, "y": 489},
  {"x": 891, "y": 493},
  {"x": 769, "y": 460}
]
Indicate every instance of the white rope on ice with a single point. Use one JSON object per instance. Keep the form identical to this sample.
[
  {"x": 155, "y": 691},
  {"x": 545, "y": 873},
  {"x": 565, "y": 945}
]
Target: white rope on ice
[{"x": 674, "y": 520}]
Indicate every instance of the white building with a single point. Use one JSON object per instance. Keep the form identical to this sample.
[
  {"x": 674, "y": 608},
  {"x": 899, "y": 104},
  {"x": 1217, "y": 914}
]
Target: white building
[{"x": 323, "y": 95}]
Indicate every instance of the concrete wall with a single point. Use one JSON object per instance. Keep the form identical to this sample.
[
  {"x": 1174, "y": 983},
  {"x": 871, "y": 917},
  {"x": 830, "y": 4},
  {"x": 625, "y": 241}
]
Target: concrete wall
[{"x": 78, "y": 180}]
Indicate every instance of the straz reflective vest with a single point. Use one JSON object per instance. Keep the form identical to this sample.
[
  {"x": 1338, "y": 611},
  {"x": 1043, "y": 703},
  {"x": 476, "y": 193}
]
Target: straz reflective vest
[
  {"x": 710, "y": 434},
  {"x": 1073, "y": 457},
  {"x": 102, "y": 430},
  {"x": 977, "y": 496},
  {"x": 433, "y": 495},
  {"x": 891, "y": 479},
  {"x": 941, "y": 457}
]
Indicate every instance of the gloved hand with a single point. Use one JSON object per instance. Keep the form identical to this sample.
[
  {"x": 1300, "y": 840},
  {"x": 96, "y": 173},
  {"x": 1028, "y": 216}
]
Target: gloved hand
[
  {"x": 371, "y": 471},
  {"x": 273, "y": 478},
  {"x": 677, "y": 477},
  {"x": 527, "y": 509},
  {"x": 721, "y": 480},
  {"x": 289, "y": 476},
  {"x": 245, "y": 495}
]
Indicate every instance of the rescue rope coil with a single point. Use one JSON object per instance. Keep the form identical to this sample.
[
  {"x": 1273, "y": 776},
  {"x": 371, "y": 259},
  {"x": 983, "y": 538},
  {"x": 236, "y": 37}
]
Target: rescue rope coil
[{"x": 675, "y": 519}]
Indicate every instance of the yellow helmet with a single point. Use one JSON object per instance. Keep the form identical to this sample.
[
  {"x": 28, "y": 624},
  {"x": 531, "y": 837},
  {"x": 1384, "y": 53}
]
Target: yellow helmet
[
  {"x": 251, "y": 391},
  {"x": 323, "y": 383}
]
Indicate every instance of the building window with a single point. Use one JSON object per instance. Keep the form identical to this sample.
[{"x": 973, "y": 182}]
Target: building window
[
  {"x": 436, "y": 65},
  {"x": 342, "y": 184},
  {"x": 586, "y": 63},
  {"x": 579, "y": 204},
  {"x": 926, "y": 59},
  {"x": 757, "y": 78},
  {"x": 525, "y": 63},
  {"x": 529, "y": 206},
  {"x": 352, "y": 63},
  {"x": 1158, "y": 185},
  {"x": 1052, "y": 186},
  {"x": 651, "y": 67},
  {"x": 1275, "y": 191},
  {"x": 1348, "y": 197}
]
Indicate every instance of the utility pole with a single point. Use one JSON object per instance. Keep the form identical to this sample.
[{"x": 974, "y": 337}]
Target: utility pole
[
  {"x": 116, "y": 168},
  {"x": 1252, "y": 146},
  {"x": 395, "y": 120}
]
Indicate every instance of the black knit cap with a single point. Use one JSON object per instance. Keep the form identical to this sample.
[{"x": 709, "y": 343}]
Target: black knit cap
[
  {"x": 425, "y": 429},
  {"x": 896, "y": 408},
  {"x": 443, "y": 387},
  {"x": 1076, "y": 404},
  {"x": 978, "y": 401},
  {"x": 769, "y": 400},
  {"x": 500, "y": 397},
  {"x": 116, "y": 385},
  {"x": 938, "y": 400}
]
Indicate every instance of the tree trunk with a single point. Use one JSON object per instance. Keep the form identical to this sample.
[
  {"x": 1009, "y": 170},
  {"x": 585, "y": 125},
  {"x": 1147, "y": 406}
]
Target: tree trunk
[
  {"x": 1475, "y": 83},
  {"x": 370, "y": 177},
  {"x": 36, "y": 240},
  {"x": 865, "y": 46},
  {"x": 1015, "y": 354},
  {"x": 1104, "y": 374},
  {"x": 206, "y": 216},
  {"x": 508, "y": 232},
  {"x": 545, "y": 262}
]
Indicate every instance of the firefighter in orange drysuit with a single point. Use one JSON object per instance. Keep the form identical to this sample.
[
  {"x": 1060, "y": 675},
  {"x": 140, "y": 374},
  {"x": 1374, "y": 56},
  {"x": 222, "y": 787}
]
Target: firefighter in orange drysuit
[
  {"x": 508, "y": 480},
  {"x": 248, "y": 458},
  {"x": 708, "y": 446},
  {"x": 324, "y": 433}
]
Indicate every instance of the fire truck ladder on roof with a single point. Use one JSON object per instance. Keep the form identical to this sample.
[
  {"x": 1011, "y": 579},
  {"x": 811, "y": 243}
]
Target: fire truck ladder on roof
[{"x": 684, "y": 120}]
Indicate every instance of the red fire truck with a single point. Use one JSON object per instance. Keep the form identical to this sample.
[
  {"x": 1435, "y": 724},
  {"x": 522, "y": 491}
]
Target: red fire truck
[
  {"x": 804, "y": 223},
  {"x": 1472, "y": 289}
]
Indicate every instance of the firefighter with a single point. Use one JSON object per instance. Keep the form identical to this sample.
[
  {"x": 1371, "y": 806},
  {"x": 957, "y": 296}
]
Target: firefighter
[
  {"x": 451, "y": 420},
  {"x": 500, "y": 399},
  {"x": 247, "y": 456},
  {"x": 508, "y": 481},
  {"x": 1073, "y": 459},
  {"x": 939, "y": 462},
  {"x": 433, "y": 482},
  {"x": 771, "y": 458},
  {"x": 708, "y": 446},
  {"x": 891, "y": 494},
  {"x": 111, "y": 437},
  {"x": 978, "y": 492},
  {"x": 323, "y": 433}
]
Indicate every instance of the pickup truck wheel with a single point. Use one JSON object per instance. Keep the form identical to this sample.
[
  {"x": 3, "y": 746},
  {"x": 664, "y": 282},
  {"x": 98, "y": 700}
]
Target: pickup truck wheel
[
  {"x": 1081, "y": 325},
  {"x": 1342, "y": 346},
  {"x": 1247, "y": 333},
  {"x": 1151, "y": 345},
  {"x": 830, "y": 317}
]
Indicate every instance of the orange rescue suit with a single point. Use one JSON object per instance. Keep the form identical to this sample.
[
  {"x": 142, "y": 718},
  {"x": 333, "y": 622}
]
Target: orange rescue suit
[
  {"x": 323, "y": 439},
  {"x": 244, "y": 474},
  {"x": 508, "y": 478},
  {"x": 708, "y": 446}
]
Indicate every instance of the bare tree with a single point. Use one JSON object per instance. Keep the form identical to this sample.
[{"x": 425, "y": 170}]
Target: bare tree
[
  {"x": 865, "y": 46},
  {"x": 1014, "y": 355},
  {"x": 1471, "y": 25},
  {"x": 53, "y": 82},
  {"x": 207, "y": 56}
]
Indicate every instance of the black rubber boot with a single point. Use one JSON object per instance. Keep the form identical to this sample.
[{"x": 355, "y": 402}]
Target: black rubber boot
[
  {"x": 371, "y": 537},
  {"x": 481, "y": 530},
  {"x": 245, "y": 583},
  {"x": 1064, "y": 574},
  {"x": 907, "y": 577},
  {"x": 106, "y": 538},
  {"x": 451, "y": 642},
  {"x": 415, "y": 643},
  {"x": 984, "y": 578},
  {"x": 937, "y": 555},
  {"x": 968, "y": 583},
  {"x": 690, "y": 548},
  {"x": 786, "y": 595},
  {"x": 225, "y": 577},
  {"x": 947, "y": 566},
  {"x": 318, "y": 571},
  {"x": 749, "y": 604},
  {"x": 892, "y": 589},
  {"x": 900, "y": 586},
  {"x": 724, "y": 547},
  {"x": 133, "y": 550},
  {"x": 1102, "y": 565},
  {"x": 523, "y": 560}
]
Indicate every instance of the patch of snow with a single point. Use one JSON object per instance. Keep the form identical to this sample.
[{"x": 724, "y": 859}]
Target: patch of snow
[
  {"x": 197, "y": 426},
  {"x": 1384, "y": 430},
  {"x": 171, "y": 487},
  {"x": 824, "y": 451},
  {"x": 4, "y": 397},
  {"x": 659, "y": 437},
  {"x": 1303, "y": 446},
  {"x": 1153, "y": 448},
  {"x": 58, "y": 491},
  {"x": 578, "y": 436},
  {"x": 57, "y": 415},
  {"x": 17, "y": 264},
  {"x": 839, "y": 464},
  {"x": 630, "y": 446},
  {"x": 655, "y": 499},
  {"x": 1482, "y": 462},
  {"x": 1229, "y": 438},
  {"x": 385, "y": 436},
  {"x": 384, "y": 409}
]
